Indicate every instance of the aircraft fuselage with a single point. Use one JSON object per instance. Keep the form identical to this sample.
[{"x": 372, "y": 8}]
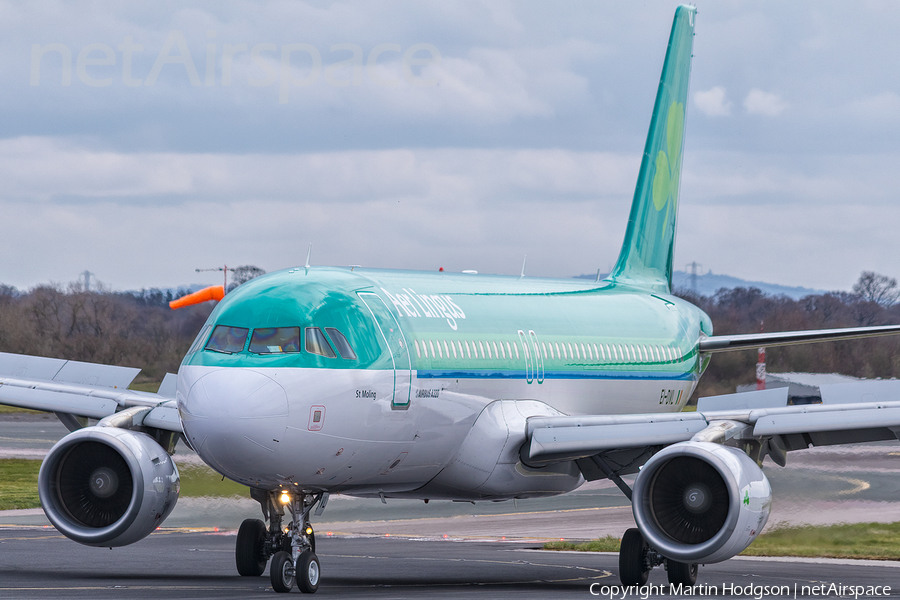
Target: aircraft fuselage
[{"x": 431, "y": 401}]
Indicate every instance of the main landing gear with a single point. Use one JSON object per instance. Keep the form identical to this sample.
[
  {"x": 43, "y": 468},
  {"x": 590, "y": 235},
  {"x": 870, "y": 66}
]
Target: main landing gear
[
  {"x": 292, "y": 549},
  {"x": 636, "y": 559}
]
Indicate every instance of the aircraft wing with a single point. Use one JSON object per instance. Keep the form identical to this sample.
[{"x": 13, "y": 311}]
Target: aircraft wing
[
  {"x": 858, "y": 412},
  {"x": 77, "y": 390},
  {"x": 725, "y": 343}
]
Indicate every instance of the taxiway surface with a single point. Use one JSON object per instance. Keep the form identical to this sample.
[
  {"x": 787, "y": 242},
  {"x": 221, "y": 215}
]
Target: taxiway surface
[
  {"x": 178, "y": 564},
  {"x": 407, "y": 549}
]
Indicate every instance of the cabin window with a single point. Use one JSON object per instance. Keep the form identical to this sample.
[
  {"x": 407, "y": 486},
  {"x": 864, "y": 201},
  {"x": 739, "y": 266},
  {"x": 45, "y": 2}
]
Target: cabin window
[
  {"x": 227, "y": 340},
  {"x": 340, "y": 342},
  {"x": 481, "y": 347},
  {"x": 275, "y": 340},
  {"x": 453, "y": 347},
  {"x": 544, "y": 348},
  {"x": 440, "y": 352},
  {"x": 577, "y": 353},
  {"x": 587, "y": 352},
  {"x": 599, "y": 353},
  {"x": 468, "y": 350},
  {"x": 502, "y": 351},
  {"x": 516, "y": 348},
  {"x": 431, "y": 347},
  {"x": 496, "y": 353},
  {"x": 317, "y": 344},
  {"x": 418, "y": 352}
]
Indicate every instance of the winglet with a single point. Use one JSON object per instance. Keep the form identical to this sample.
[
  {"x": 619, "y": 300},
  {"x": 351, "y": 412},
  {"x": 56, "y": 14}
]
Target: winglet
[
  {"x": 213, "y": 292},
  {"x": 647, "y": 253}
]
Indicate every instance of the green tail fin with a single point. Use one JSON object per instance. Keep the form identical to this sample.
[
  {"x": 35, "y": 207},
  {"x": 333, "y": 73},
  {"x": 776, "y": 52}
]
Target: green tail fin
[{"x": 647, "y": 253}]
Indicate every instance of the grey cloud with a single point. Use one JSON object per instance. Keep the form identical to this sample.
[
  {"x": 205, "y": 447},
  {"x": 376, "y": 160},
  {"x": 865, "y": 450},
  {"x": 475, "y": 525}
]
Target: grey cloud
[{"x": 537, "y": 122}]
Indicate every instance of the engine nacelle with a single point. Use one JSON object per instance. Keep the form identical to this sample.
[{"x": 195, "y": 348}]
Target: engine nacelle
[
  {"x": 699, "y": 502},
  {"x": 105, "y": 486}
]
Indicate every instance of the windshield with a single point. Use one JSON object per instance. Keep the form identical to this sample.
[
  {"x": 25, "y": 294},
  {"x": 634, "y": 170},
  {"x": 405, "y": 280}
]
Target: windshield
[
  {"x": 275, "y": 340},
  {"x": 227, "y": 339}
]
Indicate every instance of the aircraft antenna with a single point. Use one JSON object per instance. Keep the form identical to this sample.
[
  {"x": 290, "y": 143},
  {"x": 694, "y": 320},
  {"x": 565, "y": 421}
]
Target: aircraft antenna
[
  {"x": 523, "y": 267},
  {"x": 598, "y": 277},
  {"x": 308, "y": 253}
]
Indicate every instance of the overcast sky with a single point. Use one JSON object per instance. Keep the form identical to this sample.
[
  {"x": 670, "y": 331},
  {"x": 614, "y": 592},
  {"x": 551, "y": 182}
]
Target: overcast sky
[{"x": 143, "y": 141}]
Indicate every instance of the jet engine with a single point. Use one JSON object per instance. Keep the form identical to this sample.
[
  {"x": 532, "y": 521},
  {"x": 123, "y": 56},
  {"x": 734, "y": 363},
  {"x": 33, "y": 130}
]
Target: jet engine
[
  {"x": 699, "y": 502},
  {"x": 106, "y": 486}
]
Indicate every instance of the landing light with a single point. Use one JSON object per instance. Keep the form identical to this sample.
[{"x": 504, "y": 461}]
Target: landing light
[
  {"x": 309, "y": 531},
  {"x": 285, "y": 498}
]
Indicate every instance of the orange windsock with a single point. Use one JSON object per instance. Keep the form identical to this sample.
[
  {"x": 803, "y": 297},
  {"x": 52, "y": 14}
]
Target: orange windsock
[{"x": 213, "y": 292}]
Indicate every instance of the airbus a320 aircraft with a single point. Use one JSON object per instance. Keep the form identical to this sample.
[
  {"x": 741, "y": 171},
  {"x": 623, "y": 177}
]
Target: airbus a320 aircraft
[{"x": 396, "y": 384}]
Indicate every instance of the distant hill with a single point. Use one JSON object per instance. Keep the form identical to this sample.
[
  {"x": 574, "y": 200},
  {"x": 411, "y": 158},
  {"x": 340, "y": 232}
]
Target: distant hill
[{"x": 709, "y": 283}]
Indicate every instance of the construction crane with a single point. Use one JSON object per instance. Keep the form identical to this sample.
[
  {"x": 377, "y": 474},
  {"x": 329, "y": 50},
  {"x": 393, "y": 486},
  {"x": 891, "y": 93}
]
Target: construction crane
[{"x": 224, "y": 269}]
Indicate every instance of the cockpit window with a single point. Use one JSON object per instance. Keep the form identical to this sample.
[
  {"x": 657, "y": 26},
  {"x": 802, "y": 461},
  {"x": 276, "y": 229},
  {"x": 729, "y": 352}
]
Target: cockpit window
[
  {"x": 317, "y": 344},
  {"x": 341, "y": 343},
  {"x": 227, "y": 339},
  {"x": 199, "y": 339},
  {"x": 275, "y": 340}
]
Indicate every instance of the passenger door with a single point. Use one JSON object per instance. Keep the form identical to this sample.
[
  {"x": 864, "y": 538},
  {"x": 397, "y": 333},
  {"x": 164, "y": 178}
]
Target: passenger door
[{"x": 393, "y": 337}]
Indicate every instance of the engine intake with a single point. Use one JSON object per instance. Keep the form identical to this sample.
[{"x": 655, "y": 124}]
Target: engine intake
[
  {"x": 699, "y": 502},
  {"x": 105, "y": 486}
]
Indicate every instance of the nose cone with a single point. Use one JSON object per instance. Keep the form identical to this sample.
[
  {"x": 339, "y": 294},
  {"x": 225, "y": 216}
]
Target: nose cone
[{"x": 235, "y": 418}]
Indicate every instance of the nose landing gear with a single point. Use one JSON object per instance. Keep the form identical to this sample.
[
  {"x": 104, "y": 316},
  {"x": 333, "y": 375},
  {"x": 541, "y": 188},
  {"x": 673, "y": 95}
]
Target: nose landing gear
[{"x": 293, "y": 549}]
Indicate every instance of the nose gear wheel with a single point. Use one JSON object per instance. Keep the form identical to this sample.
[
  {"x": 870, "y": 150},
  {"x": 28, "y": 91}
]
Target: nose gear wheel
[{"x": 291, "y": 548}]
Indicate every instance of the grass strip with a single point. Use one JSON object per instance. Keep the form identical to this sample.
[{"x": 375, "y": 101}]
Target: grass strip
[
  {"x": 4, "y": 409},
  {"x": 878, "y": 541},
  {"x": 605, "y": 544},
  {"x": 19, "y": 483}
]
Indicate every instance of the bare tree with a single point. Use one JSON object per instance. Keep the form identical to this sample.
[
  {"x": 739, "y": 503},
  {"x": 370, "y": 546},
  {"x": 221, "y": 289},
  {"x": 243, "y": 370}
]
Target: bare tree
[
  {"x": 880, "y": 289},
  {"x": 244, "y": 274}
]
